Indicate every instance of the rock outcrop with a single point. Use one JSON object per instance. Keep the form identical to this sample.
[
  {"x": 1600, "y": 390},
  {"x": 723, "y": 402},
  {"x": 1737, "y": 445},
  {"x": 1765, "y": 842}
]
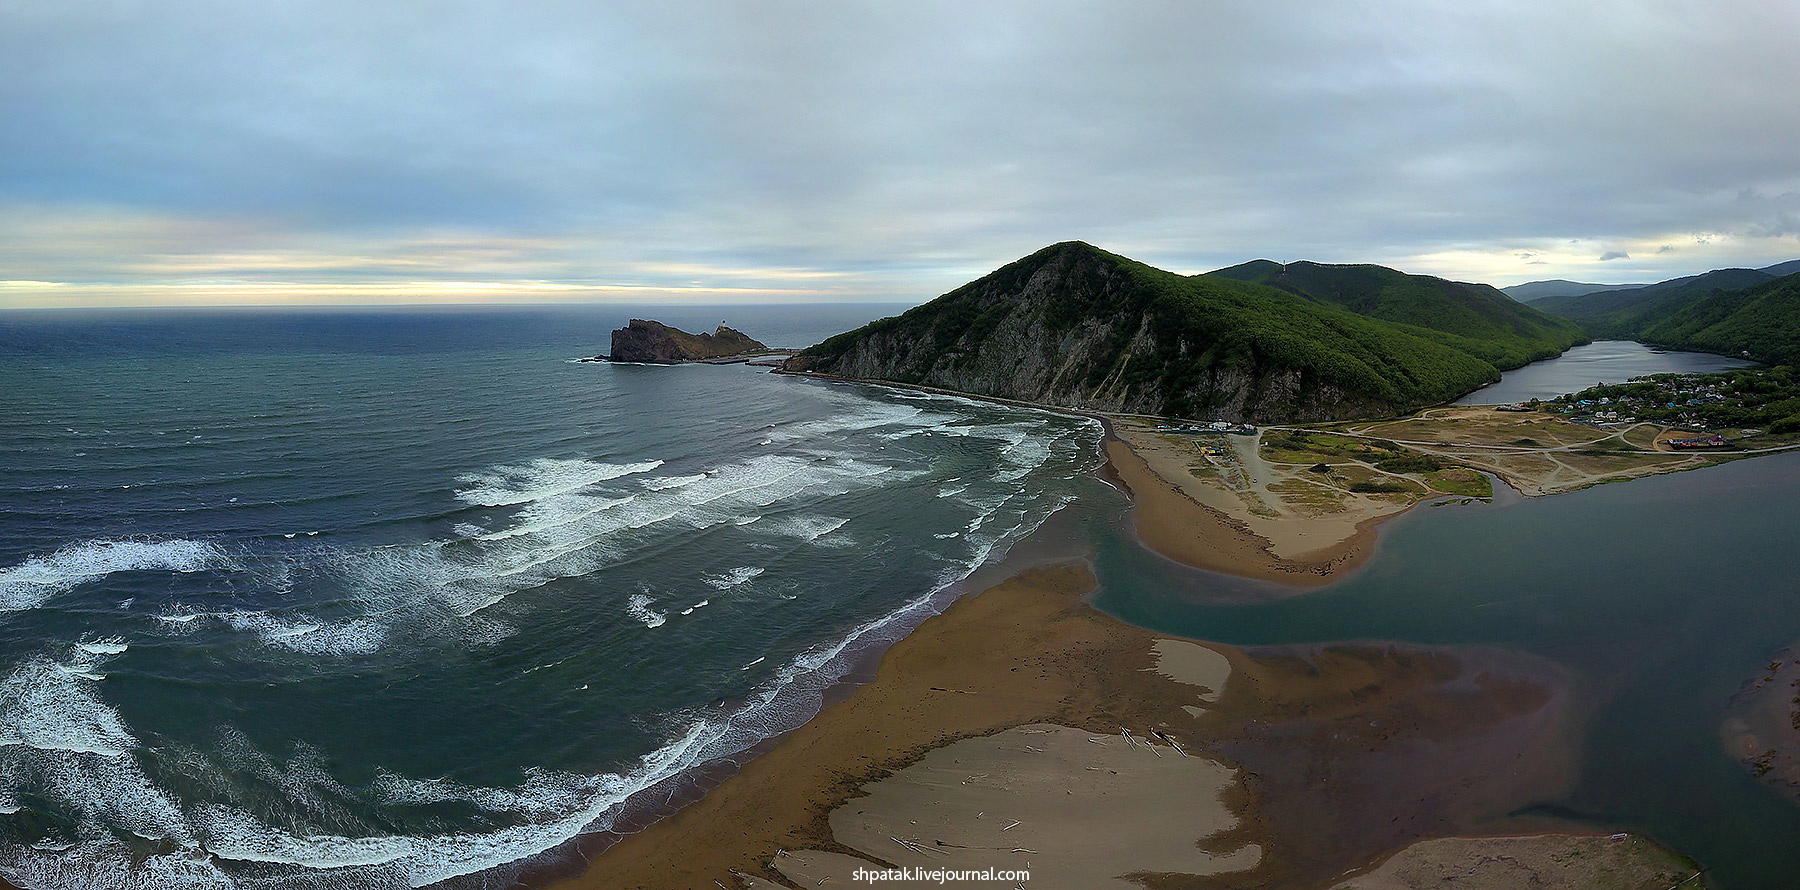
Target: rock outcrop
[{"x": 657, "y": 343}]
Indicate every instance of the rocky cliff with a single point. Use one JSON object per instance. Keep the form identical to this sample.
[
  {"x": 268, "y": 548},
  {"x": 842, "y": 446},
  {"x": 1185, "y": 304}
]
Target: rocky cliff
[
  {"x": 657, "y": 343},
  {"x": 1075, "y": 326}
]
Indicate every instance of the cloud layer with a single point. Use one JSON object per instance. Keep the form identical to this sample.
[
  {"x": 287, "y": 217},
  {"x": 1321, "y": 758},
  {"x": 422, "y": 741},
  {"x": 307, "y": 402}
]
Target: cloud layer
[{"x": 865, "y": 150}]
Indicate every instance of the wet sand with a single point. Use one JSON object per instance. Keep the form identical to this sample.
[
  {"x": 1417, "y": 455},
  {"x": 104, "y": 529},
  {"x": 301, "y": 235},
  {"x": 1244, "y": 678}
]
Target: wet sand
[
  {"x": 1762, "y": 724},
  {"x": 1507, "y": 863},
  {"x": 1044, "y": 800},
  {"x": 1338, "y": 755},
  {"x": 1023, "y": 652}
]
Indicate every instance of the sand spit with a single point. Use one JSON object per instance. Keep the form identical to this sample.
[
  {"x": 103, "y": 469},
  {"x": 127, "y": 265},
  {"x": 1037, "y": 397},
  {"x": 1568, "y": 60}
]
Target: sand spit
[
  {"x": 1173, "y": 523},
  {"x": 1506, "y": 863},
  {"x": 1193, "y": 664},
  {"x": 1072, "y": 808},
  {"x": 1762, "y": 723}
]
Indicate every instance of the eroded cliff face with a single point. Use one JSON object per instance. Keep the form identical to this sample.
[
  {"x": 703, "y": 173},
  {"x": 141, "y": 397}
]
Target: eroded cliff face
[
  {"x": 657, "y": 343},
  {"x": 1076, "y": 331}
]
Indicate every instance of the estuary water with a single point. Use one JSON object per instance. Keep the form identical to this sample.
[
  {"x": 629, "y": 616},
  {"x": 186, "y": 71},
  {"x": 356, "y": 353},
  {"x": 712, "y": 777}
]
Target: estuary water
[
  {"x": 385, "y": 599},
  {"x": 1661, "y": 598},
  {"x": 1603, "y": 361}
]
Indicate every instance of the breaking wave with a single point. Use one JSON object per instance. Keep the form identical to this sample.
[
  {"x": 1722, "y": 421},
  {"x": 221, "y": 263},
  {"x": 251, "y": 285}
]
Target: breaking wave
[
  {"x": 519, "y": 526},
  {"x": 733, "y": 578},
  {"x": 639, "y": 607},
  {"x": 542, "y": 478},
  {"x": 29, "y": 584}
]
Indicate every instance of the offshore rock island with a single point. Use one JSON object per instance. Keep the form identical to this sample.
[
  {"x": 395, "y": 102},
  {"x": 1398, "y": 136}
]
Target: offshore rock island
[{"x": 652, "y": 342}]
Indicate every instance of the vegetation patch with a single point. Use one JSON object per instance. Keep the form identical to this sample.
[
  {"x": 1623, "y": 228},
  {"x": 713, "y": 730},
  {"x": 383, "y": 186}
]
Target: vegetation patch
[
  {"x": 1758, "y": 398},
  {"x": 1379, "y": 487}
]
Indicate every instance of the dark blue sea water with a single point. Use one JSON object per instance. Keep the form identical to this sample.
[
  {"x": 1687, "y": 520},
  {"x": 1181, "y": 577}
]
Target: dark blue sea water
[{"x": 379, "y": 599}]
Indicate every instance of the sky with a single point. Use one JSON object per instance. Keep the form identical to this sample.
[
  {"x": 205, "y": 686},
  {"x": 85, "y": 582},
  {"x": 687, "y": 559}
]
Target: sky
[{"x": 194, "y": 152}]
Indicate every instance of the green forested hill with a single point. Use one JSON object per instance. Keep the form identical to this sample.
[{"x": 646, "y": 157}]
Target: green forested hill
[
  {"x": 1760, "y": 322},
  {"x": 1474, "y": 318},
  {"x": 1077, "y": 326},
  {"x": 1625, "y": 314}
]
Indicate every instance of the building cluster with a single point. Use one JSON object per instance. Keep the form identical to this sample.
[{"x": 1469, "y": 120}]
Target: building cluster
[{"x": 1675, "y": 399}]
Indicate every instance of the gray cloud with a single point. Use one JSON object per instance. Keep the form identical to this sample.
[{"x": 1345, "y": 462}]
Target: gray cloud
[
  {"x": 914, "y": 144},
  {"x": 1614, "y": 255}
]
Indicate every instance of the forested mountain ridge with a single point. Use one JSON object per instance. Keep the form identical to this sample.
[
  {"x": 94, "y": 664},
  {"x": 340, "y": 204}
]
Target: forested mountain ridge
[
  {"x": 1475, "y": 318},
  {"x": 1075, "y": 326}
]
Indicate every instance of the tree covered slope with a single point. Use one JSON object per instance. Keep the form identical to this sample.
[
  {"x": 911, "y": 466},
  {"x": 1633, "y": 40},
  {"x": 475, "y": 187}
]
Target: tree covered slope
[
  {"x": 1076, "y": 326},
  {"x": 1760, "y": 322},
  {"x": 1473, "y": 318},
  {"x": 1625, "y": 314}
]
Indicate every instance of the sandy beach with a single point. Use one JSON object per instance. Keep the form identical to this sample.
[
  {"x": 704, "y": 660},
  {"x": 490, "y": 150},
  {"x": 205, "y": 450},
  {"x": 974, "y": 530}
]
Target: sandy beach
[
  {"x": 1307, "y": 765},
  {"x": 1023, "y": 730}
]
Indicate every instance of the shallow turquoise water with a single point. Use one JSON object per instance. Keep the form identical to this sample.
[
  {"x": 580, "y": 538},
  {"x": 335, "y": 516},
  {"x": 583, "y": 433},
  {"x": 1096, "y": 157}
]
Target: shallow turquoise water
[{"x": 1661, "y": 596}]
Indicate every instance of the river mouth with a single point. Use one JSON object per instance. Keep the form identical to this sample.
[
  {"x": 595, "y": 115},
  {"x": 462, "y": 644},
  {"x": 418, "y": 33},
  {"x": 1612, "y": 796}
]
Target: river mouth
[{"x": 1657, "y": 599}]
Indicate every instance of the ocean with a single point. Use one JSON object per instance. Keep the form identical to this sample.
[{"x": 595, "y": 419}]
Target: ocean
[{"x": 380, "y": 599}]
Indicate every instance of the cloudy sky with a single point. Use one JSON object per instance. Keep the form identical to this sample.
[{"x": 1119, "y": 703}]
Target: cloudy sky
[{"x": 190, "y": 151}]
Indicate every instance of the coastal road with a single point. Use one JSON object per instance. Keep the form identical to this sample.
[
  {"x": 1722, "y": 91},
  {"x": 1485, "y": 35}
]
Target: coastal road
[
  {"x": 1256, "y": 472},
  {"x": 1513, "y": 449}
]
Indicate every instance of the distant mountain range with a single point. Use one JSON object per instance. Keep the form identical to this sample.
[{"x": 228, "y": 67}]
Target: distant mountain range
[
  {"x": 1749, "y": 312},
  {"x": 1076, "y": 326},
  {"x": 1532, "y": 291}
]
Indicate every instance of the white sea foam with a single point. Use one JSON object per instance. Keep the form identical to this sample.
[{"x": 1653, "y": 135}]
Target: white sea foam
[
  {"x": 551, "y": 514},
  {"x": 662, "y": 483},
  {"x": 701, "y": 604},
  {"x": 27, "y": 585},
  {"x": 179, "y": 622},
  {"x": 108, "y": 646},
  {"x": 806, "y": 527},
  {"x": 110, "y": 865},
  {"x": 542, "y": 478},
  {"x": 46, "y": 705},
  {"x": 356, "y": 636},
  {"x": 59, "y": 739},
  {"x": 555, "y": 807},
  {"x": 733, "y": 578},
  {"x": 639, "y": 607},
  {"x": 544, "y": 795}
]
